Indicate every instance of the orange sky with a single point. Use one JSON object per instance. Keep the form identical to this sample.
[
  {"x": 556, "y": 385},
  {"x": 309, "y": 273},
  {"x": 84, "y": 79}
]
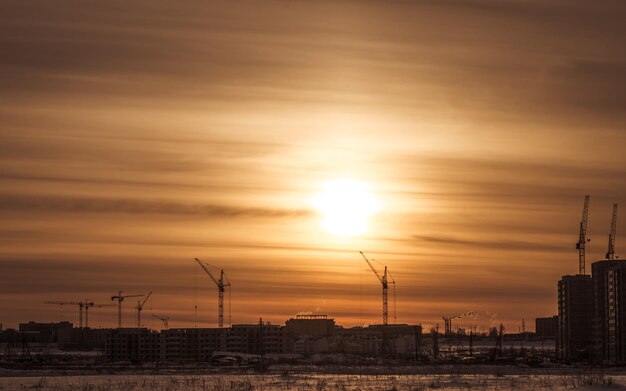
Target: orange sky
[{"x": 135, "y": 137}]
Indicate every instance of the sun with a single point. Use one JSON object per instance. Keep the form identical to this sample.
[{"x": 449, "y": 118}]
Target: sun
[{"x": 346, "y": 206}]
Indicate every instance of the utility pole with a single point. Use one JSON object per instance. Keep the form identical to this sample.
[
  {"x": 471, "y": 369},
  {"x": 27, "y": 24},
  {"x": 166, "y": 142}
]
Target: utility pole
[
  {"x": 417, "y": 342},
  {"x": 523, "y": 336},
  {"x": 260, "y": 346},
  {"x": 499, "y": 340},
  {"x": 436, "y": 342}
]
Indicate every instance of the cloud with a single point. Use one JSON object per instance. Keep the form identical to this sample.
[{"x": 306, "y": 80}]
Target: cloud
[
  {"x": 492, "y": 245},
  {"x": 516, "y": 68},
  {"x": 51, "y": 204},
  {"x": 483, "y": 123}
]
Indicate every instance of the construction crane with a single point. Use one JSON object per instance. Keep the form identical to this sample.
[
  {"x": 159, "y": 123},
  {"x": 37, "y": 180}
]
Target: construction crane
[
  {"x": 81, "y": 304},
  {"x": 120, "y": 298},
  {"x": 582, "y": 239},
  {"x": 221, "y": 284},
  {"x": 164, "y": 319},
  {"x": 610, "y": 254},
  {"x": 80, "y": 309},
  {"x": 139, "y": 308},
  {"x": 384, "y": 280},
  {"x": 87, "y": 305},
  {"x": 448, "y": 321}
]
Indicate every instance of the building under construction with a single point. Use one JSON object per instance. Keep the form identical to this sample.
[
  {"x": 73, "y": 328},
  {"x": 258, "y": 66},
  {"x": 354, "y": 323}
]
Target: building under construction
[
  {"x": 575, "y": 302},
  {"x": 592, "y": 321},
  {"x": 304, "y": 334}
]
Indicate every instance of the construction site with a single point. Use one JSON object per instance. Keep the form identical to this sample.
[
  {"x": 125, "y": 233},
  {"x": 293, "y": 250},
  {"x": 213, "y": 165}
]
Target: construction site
[
  {"x": 304, "y": 338},
  {"x": 588, "y": 328},
  {"x": 591, "y": 310}
]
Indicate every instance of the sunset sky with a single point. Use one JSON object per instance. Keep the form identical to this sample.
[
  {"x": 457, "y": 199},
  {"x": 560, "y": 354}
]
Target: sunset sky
[{"x": 136, "y": 136}]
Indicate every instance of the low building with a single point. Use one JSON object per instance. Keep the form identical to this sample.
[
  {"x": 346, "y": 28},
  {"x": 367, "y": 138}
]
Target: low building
[
  {"x": 299, "y": 332},
  {"x": 197, "y": 344},
  {"x": 134, "y": 345},
  {"x": 82, "y": 338},
  {"x": 44, "y": 332},
  {"x": 200, "y": 345},
  {"x": 547, "y": 327},
  {"x": 255, "y": 338},
  {"x": 397, "y": 340},
  {"x": 400, "y": 341},
  {"x": 311, "y": 325}
]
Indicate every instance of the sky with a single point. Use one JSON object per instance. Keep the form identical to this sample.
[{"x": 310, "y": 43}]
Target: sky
[{"x": 136, "y": 136}]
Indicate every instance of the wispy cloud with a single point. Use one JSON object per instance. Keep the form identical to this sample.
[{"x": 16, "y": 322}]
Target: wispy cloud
[
  {"x": 487, "y": 245},
  {"x": 116, "y": 205},
  {"x": 151, "y": 132}
]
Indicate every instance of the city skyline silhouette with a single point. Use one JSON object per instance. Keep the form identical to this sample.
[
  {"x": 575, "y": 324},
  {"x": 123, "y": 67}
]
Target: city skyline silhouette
[{"x": 450, "y": 141}]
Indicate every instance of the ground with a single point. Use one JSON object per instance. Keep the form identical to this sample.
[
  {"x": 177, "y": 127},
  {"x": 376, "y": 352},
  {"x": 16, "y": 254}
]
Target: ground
[{"x": 481, "y": 380}]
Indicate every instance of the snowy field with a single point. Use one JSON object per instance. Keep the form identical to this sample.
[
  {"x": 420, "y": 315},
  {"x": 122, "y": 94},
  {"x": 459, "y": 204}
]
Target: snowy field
[{"x": 320, "y": 382}]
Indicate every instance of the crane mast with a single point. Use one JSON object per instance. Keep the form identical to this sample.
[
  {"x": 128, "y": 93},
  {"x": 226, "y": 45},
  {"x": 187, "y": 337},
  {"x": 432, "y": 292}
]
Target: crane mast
[
  {"x": 582, "y": 238},
  {"x": 139, "y": 308},
  {"x": 384, "y": 281},
  {"x": 120, "y": 298},
  {"x": 448, "y": 321},
  {"x": 385, "y": 294},
  {"x": 89, "y": 304},
  {"x": 610, "y": 254},
  {"x": 221, "y": 284},
  {"x": 81, "y": 305},
  {"x": 164, "y": 319}
]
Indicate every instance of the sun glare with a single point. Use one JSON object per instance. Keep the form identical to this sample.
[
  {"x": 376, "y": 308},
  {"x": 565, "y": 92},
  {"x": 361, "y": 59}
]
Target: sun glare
[{"x": 346, "y": 206}]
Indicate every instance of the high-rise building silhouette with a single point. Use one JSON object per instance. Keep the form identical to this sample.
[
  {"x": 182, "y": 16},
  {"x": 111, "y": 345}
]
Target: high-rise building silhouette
[
  {"x": 575, "y": 302},
  {"x": 609, "y": 293}
]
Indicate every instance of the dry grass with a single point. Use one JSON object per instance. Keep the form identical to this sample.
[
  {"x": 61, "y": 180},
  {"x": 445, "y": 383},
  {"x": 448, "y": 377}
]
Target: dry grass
[{"x": 306, "y": 382}]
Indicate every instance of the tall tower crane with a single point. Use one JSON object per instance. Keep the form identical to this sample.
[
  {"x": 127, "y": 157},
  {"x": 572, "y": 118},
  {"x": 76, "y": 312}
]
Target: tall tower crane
[
  {"x": 81, "y": 304},
  {"x": 221, "y": 284},
  {"x": 164, "y": 319},
  {"x": 384, "y": 281},
  {"x": 139, "y": 308},
  {"x": 120, "y": 298},
  {"x": 448, "y": 321},
  {"x": 582, "y": 238},
  {"x": 611, "y": 251}
]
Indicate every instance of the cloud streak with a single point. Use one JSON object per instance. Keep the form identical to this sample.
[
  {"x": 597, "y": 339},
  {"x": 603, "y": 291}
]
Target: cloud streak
[
  {"x": 149, "y": 133},
  {"x": 48, "y": 204}
]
